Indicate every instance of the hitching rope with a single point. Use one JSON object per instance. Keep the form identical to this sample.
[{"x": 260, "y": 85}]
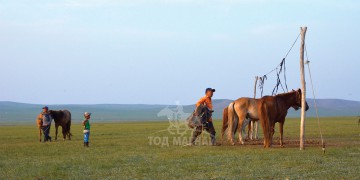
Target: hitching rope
[{"x": 316, "y": 108}]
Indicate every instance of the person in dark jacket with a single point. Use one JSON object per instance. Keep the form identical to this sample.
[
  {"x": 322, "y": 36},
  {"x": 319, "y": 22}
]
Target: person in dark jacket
[{"x": 46, "y": 123}]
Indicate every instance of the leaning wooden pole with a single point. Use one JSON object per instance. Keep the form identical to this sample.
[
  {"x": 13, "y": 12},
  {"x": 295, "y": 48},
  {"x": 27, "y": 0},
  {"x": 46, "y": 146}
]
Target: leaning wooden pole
[
  {"x": 256, "y": 79},
  {"x": 303, "y": 88}
]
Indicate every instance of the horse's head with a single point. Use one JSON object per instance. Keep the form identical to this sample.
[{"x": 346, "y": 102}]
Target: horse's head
[
  {"x": 56, "y": 115},
  {"x": 52, "y": 113},
  {"x": 202, "y": 113},
  {"x": 297, "y": 104}
]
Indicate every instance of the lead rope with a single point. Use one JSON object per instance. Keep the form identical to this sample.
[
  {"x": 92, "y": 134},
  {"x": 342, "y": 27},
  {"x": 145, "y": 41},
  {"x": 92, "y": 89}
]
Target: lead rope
[{"x": 316, "y": 108}]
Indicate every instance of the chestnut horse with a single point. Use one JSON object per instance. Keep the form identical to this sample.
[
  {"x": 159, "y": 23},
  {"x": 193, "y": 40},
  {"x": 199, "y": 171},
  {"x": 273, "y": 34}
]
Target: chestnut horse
[
  {"x": 62, "y": 118},
  {"x": 39, "y": 122},
  {"x": 268, "y": 109}
]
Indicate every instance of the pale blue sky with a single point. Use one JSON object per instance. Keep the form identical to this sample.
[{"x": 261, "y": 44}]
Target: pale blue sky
[{"x": 159, "y": 52}]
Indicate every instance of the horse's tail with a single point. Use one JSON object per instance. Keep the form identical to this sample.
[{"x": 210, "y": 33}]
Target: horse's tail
[
  {"x": 265, "y": 122},
  {"x": 224, "y": 122},
  {"x": 69, "y": 124},
  {"x": 66, "y": 119},
  {"x": 232, "y": 121}
]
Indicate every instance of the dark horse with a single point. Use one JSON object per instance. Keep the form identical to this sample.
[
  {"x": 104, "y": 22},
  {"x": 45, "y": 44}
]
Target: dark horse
[
  {"x": 268, "y": 109},
  {"x": 62, "y": 118}
]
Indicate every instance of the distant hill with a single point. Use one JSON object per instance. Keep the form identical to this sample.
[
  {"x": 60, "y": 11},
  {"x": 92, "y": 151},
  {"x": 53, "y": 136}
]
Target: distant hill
[{"x": 21, "y": 112}]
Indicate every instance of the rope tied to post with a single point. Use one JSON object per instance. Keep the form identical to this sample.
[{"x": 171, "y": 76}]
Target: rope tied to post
[{"x": 315, "y": 104}]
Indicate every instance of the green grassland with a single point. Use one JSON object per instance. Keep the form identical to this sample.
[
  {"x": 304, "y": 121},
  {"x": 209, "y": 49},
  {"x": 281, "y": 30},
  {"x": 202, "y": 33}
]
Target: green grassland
[{"x": 124, "y": 151}]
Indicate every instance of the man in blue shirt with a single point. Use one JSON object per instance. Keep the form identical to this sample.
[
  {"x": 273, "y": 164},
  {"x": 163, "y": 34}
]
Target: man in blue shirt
[{"x": 46, "y": 123}]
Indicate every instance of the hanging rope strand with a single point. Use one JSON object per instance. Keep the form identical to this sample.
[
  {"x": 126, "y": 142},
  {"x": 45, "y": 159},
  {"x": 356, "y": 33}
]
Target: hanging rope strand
[
  {"x": 285, "y": 76},
  {"x": 316, "y": 107},
  {"x": 279, "y": 68},
  {"x": 261, "y": 84}
]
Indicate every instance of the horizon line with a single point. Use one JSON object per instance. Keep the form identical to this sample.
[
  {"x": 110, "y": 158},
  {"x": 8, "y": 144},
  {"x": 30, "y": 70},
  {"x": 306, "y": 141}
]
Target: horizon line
[{"x": 41, "y": 104}]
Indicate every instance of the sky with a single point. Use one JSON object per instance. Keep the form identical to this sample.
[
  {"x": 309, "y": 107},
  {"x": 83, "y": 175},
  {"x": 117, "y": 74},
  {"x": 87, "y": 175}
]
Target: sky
[{"x": 163, "y": 52}]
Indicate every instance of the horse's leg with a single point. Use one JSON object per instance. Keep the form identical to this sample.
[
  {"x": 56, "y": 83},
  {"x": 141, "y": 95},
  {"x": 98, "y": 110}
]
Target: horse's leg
[
  {"x": 67, "y": 133},
  {"x": 281, "y": 126},
  {"x": 63, "y": 132},
  {"x": 56, "y": 131},
  {"x": 241, "y": 125},
  {"x": 251, "y": 129},
  {"x": 68, "y": 130},
  {"x": 248, "y": 134},
  {"x": 40, "y": 134},
  {"x": 256, "y": 129},
  {"x": 272, "y": 134},
  {"x": 246, "y": 123}
]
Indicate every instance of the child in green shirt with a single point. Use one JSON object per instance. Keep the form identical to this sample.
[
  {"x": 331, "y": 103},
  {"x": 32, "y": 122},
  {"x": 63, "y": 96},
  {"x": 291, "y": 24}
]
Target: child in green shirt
[{"x": 86, "y": 124}]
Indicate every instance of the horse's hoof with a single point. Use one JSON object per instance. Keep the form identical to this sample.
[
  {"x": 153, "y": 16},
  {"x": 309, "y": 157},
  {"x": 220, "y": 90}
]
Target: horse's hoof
[{"x": 233, "y": 143}]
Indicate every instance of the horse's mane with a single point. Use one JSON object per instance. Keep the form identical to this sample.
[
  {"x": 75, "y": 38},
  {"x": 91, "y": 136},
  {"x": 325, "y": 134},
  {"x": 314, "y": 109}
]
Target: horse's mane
[
  {"x": 287, "y": 93},
  {"x": 281, "y": 94}
]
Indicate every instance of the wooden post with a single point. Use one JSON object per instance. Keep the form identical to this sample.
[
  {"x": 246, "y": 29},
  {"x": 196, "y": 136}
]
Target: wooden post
[
  {"x": 303, "y": 88},
  {"x": 256, "y": 79},
  {"x": 252, "y": 123}
]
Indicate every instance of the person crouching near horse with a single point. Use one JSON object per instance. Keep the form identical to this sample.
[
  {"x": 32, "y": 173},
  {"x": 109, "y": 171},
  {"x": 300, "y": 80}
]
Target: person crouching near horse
[
  {"x": 208, "y": 126},
  {"x": 46, "y": 118},
  {"x": 86, "y": 124}
]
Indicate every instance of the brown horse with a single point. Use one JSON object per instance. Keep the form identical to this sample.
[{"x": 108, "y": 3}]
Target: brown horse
[
  {"x": 268, "y": 109},
  {"x": 62, "y": 118},
  {"x": 39, "y": 119}
]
